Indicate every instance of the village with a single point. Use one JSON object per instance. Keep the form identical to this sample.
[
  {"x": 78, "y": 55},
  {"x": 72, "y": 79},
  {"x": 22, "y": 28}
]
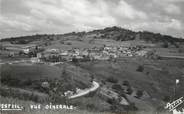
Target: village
[{"x": 39, "y": 54}]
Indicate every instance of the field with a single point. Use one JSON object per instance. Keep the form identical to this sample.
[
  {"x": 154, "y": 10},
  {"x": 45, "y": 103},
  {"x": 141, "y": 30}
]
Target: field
[
  {"x": 146, "y": 83},
  {"x": 157, "y": 79}
]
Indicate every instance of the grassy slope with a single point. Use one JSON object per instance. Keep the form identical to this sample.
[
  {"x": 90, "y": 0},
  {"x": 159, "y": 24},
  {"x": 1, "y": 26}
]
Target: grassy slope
[
  {"x": 42, "y": 72},
  {"x": 33, "y": 72},
  {"x": 158, "y": 83}
]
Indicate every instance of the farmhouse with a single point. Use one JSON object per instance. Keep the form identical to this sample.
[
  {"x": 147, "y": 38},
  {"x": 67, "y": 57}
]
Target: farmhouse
[
  {"x": 108, "y": 94},
  {"x": 20, "y": 48}
]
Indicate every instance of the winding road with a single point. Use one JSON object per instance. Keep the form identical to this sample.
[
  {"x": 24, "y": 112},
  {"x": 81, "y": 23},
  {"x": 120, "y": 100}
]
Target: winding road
[{"x": 94, "y": 87}]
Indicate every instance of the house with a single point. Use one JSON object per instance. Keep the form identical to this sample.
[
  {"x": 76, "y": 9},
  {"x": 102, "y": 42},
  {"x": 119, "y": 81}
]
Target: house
[
  {"x": 108, "y": 94},
  {"x": 12, "y": 54},
  {"x": 20, "y": 48},
  {"x": 52, "y": 51},
  {"x": 35, "y": 60},
  {"x": 45, "y": 84},
  {"x": 64, "y": 53},
  {"x": 141, "y": 53},
  {"x": 68, "y": 93},
  {"x": 39, "y": 55},
  {"x": 85, "y": 52},
  {"x": 66, "y": 58}
]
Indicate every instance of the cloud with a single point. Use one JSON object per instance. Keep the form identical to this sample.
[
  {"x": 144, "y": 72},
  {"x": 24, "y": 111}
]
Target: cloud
[
  {"x": 15, "y": 24},
  {"x": 125, "y": 10},
  {"x": 175, "y": 1},
  {"x": 173, "y": 26},
  {"x": 159, "y": 26},
  {"x": 61, "y": 16},
  {"x": 172, "y": 9},
  {"x": 72, "y": 12}
]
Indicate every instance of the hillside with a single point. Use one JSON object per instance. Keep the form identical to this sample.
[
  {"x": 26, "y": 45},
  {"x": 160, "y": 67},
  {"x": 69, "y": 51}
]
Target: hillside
[
  {"x": 33, "y": 76},
  {"x": 114, "y": 33}
]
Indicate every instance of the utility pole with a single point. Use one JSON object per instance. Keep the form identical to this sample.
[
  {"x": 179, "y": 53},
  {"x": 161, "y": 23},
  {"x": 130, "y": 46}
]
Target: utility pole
[{"x": 177, "y": 81}]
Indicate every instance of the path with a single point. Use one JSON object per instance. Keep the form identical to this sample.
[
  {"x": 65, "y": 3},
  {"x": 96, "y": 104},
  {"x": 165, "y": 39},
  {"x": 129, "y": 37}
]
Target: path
[{"x": 86, "y": 91}]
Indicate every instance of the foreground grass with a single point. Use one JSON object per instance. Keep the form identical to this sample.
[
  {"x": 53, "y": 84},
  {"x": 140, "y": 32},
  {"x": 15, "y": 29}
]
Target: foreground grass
[{"x": 27, "y": 110}]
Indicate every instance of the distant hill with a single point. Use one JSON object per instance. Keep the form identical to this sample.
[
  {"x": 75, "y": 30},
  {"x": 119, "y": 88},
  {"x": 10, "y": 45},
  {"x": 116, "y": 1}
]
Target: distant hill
[{"x": 115, "y": 33}]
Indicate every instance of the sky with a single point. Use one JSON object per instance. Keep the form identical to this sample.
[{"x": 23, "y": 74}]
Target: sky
[{"x": 29, "y": 17}]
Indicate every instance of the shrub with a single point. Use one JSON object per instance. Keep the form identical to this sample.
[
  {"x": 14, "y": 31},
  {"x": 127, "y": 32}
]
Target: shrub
[
  {"x": 111, "y": 101},
  {"x": 68, "y": 43},
  {"x": 112, "y": 80},
  {"x": 117, "y": 87},
  {"x": 90, "y": 106},
  {"x": 181, "y": 50},
  {"x": 139, "y": 94},
  {"x": 132, "y": 107},
  {"x": 166, "y": 99},
  {"x": 62, "y": 42},
  {"x": 165, "y": 45},
  {"x": 1, "y": 47},
  {"x": 103, "y": 82},
  {"x": 126, "y": 83},
  {"x": 140, "y": 68},
  {"x": 129, "y": 91}
]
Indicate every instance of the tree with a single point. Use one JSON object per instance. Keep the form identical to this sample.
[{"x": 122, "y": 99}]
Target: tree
[
  {"x": 92, "y": 41},
  {"x": 139, "y": 94},
  {"x": 140, "y": 68},
  {"x": 68, "y": 43},
  {"x": 75, "y": 60},
  {"x": 165, "y": 45},
  {"x": 126, "y": 83},
  {"x": 166, "y": 99},
  {"x": 62, "y": 42},
  {"x": 129, "y": 91},
  {"x": 181, "y": 50},
  {"x": 1, "y": 47},
  {"x": 117, "y": 87},
  {"x": 112, "y": 79}
]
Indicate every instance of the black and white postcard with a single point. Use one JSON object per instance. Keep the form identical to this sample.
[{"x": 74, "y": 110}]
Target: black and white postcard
[{"x": 91, "y": 57}]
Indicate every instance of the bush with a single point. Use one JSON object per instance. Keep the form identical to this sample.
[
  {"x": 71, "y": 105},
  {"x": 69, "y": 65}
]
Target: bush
[
  {"x": 139, "y": 94},
  {"x": 166, "y": 99},
  {"x": 132, "y": 107},
  {"x": 23, "y": 42},
  {"x": 103, "y": 82},
  {"x": 117, "y": 87},
  {"x": 126, "y": 83},
  {"x": 90, "y": 106},
  {"x": 68, "y": 43},
  {"x": 62, "y": 42},
  {"x": 129, "y": 91},
  {"x": 165, "y": 45},
  {"x": 112, "y": 80},
  {"x": 181, "y": 50},
  {"x": 111, "y": 101},
  {"x": 1, "y": 47},
  {"x": 140, "y": 68}
]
